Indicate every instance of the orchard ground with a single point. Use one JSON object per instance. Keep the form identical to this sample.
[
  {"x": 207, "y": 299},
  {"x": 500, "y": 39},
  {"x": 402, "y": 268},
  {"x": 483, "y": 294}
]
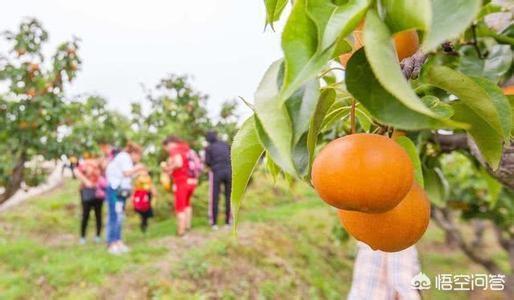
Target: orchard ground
[{"x": 286, "y": 249}]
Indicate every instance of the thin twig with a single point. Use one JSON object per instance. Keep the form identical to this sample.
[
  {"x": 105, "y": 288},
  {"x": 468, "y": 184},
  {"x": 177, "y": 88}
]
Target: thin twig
[
  {"x": 352, "y": 116},
  {"x": 475, "y": 40},
  {"x": 330, "y": 70}
]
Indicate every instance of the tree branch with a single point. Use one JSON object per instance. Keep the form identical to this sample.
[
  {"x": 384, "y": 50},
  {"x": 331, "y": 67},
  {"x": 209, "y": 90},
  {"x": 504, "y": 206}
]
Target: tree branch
[
  {"x": 451, "y": 142},
  {"x": 505, "y": 172},
  {"x": 506, "y": 243},
  {"x": 446, "y": 223},
  {"x": 461, "y": 141},
  {"x": 475, "y": 41}
]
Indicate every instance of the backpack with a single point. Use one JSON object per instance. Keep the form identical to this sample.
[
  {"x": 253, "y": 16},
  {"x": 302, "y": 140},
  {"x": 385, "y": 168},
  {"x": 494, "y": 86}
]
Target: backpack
[
  {"x": 194, "y": 164},
  {"x": 141, "y": 201}
]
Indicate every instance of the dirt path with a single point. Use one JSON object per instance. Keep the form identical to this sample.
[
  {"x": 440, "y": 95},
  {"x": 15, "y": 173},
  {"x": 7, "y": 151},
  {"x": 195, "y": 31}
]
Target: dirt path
[
  {"x": 132, "y": 284},
  {"x": 54, "y": 180}
]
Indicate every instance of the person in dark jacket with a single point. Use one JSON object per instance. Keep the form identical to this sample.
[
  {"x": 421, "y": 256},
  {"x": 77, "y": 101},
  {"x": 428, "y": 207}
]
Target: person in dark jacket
[{"x": 217, "y": 158}]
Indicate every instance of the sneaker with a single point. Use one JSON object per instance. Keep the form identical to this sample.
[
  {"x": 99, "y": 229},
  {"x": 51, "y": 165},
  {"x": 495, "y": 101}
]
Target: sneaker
[
  {"x": 214, "y": 227},
  {"x": 228, "y": 226},
  {"x": 98, "y": 240},
  {"x": 82, "y": 241},
  {"x": 123, "y": 248},
  {"x": 114, "y": 250}
]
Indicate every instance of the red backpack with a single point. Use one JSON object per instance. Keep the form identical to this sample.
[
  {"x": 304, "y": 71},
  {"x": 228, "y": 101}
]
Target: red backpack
[{"x": 141, "y": 201}]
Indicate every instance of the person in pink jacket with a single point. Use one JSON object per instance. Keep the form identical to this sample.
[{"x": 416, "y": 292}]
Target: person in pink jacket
[{"x": 92, "y": 194}]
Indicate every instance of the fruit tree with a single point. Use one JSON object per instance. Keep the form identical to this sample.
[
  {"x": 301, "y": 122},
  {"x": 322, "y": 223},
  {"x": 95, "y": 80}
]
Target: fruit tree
[
  {"x": 177, "y": 107},
  {"x": 34, "y": 108},
  {"x": 371, "y": 94}
]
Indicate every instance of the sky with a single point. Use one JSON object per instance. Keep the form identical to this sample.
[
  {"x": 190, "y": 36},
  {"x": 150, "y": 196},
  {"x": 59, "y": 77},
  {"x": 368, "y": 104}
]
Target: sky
[{"x": 127, "y": 44}]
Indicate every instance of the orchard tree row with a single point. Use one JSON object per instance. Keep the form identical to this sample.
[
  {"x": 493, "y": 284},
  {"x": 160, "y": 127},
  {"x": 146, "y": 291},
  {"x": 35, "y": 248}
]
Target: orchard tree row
[{"x": 37, "y": 119}]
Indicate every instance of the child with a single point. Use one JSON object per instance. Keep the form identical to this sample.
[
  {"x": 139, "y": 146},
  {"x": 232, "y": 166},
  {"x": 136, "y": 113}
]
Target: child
[{"x": 142, "y": 198}]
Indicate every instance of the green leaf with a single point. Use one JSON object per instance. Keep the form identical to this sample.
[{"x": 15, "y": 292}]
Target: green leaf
[
  {"x": 335, "y": 113},
  {"x": 272, "y": 167},
  {"x": 301, "y": 157},
  {"x": 489, "y": 8},
  {"x": 245, "y": 152},
  {"x": 473, "y": 93},
  {"x": 498, "y": 62},
  {"x": 382, "y": 58},
  {"x": 488, "y": 140},
  {"x": 274, "y": 9},
  {"x": 283, "y": 160},
  {"x": 484, "y": 30},
  {"x": 341, "y": 47},
  {"x": 449, "y": 20},
  {"x": 334, "y": 21},
  {"x": 411, "y": 150},
  {"x": 401, "y": 15},
  {"x": 273, "y": 123},
  {"x": 387, "y": 109},
  {"x": 493, "y": 67},
  {"x": 326, "y": 100},
  {"x": 500, "y": 102},
  {"x": 494, "y": 188},
  {"x": 511, "y": 101},
  {"x": 435, "y": 186},
  {"x": 311, "y": 36},
  {"x": 364, "y": 119},
  {"x": 301, "y": 106},
  {"x": 442, "y": 109}
]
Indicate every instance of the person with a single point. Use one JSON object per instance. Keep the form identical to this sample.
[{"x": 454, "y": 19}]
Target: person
[
  {"x": 108, "y": 153},
  {"x": 217, "y": 158},
  {"x": 70, "y": 162},
  {"x": 92, "y": 194},
  {"x": 144, "y": 192},
  {"x": 119, "y": 173},
  {"x": 384, "y": 275},
  {"x": 195, "y": 168},
  {"x": 179, "y": 167}
]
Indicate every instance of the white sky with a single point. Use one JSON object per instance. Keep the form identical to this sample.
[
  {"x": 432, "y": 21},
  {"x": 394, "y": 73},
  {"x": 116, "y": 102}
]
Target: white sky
[{"x": 126, "y": 43}]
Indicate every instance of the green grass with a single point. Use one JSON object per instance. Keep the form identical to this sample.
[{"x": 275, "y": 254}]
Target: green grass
[{"x": 285, "y": 249}]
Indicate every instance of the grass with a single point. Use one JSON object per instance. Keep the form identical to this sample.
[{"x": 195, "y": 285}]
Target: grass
[{"x": 286, "y": 248}]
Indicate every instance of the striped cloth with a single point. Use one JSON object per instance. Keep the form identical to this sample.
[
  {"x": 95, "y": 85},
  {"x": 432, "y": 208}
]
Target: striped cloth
[{"x": 380, "y": 275}]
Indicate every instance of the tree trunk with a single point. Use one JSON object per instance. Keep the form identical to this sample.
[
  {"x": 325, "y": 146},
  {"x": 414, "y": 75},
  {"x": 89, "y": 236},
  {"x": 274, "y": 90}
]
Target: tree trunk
[
  {"x": 478, "y": 230},
  {"x": 16, "y": 178},
  {"x": 507, "y": 243},
  {"x": 449, "y": 239},
  {"x": 505, "y": 172}
]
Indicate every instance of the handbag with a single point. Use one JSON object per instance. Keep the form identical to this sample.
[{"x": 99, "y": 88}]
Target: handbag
[
  {"x": 88, "y": 194},
  {"x": 123, "y": 193}
]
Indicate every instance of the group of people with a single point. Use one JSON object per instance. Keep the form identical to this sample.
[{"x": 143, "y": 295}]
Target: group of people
[{"x": 118, "y": 175}]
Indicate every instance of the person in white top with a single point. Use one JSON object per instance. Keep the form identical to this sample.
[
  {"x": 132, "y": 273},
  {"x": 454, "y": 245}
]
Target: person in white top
[{"x": 119, "y": 173}]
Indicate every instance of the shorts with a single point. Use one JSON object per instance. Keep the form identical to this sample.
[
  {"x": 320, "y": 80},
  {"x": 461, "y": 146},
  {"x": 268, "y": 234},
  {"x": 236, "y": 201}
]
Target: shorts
[{"x": 183, "y": 193}]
